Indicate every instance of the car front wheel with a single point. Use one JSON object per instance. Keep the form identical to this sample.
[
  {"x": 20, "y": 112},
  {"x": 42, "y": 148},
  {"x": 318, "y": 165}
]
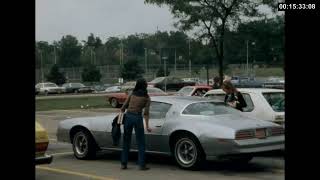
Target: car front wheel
[
  {"x": 188, "y": 152},
  {"x": 114, "y": 103},
  {"x": 83, "y": 145}
]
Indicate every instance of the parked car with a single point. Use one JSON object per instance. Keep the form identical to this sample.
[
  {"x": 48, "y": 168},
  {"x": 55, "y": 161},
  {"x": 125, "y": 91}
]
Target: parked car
[
  {"x": 117, "y": 99},
  {"x": 49, "y": 88},
  {"x": 246, "y": 82},
  {"x": 276, "y": 83},
  {"x": 77, "y": 88},
  {"x": 100, "y": 88},
  {"x": 192, "y": 129},
  {"x": 113, "y": 89},
  {"x": 169, "y": 83},
  {"x": 42, "y": 143},
  {"x": 265, "y": 104},
  {"x": 194, "y": 90}
]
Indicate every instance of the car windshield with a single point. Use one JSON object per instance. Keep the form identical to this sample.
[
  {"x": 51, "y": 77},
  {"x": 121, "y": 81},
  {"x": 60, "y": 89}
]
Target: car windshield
[
  {"x": 209, "y": 109},
  {"x": 185, "y": 91},
  {"x": 50, "y": 85},
  {"x": 157, "y": 80},
  {"x": 276, "y": 100}
]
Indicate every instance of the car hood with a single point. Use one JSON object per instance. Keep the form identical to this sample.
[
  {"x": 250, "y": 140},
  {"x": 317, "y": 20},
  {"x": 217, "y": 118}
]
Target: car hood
[{"x": 237, "y": 122}]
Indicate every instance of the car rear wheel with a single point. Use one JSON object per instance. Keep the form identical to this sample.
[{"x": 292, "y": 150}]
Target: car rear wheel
[
  {"x": 188, "y": 152},
  {"x": 114, "y": 102},
  {"x": 83, "y": 145},
  {"x": 76, "y": 91}
]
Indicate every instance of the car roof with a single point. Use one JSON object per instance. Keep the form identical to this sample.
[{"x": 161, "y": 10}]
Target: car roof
[
  {"x": 251, "y": 90},
  {"x": 181, "y": 99}
]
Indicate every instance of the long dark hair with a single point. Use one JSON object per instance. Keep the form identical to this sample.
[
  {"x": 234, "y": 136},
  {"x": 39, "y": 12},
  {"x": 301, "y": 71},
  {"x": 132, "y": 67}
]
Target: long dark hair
[{"x": 141, "y": 88}]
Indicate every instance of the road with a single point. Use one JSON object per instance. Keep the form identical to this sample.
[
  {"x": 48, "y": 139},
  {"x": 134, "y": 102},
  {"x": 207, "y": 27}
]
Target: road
[{"x": 107, "y": 166}]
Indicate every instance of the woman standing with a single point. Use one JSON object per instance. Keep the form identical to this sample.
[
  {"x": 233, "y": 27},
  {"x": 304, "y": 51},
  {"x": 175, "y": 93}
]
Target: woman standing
[
  {"x": 233, "y": 97},
  {"x": 135, "y": 103}
]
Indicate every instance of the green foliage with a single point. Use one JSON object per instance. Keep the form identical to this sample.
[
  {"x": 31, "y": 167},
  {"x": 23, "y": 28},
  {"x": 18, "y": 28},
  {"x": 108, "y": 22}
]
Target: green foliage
[
  {"x": 70, "y": 51},
  {"x": 131, "y": 70},
  {"x": 91, "y": 74},
  {"x": 56, "y": 76}
]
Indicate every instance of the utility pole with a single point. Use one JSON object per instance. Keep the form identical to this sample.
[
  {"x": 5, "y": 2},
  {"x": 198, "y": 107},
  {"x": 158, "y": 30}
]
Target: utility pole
[{"x": 165, "y": 74}]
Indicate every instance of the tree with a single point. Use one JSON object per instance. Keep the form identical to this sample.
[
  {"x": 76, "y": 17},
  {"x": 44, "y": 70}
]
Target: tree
[
  {"x": 91, "y": 74},
  {"x": 212, "y": 18},
  {"x": 56, "y": 76},
  {"x": 131, "y": 70},
  {"x": 69, "y": 51}
]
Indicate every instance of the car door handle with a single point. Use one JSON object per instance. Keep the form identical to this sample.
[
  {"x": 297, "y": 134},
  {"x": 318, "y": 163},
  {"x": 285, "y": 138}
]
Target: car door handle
[{"x": 158, "y": 126}]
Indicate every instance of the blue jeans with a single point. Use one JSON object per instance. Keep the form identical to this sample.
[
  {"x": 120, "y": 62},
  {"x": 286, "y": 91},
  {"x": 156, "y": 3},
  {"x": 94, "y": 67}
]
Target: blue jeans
[{"x": 133, "y": 120}]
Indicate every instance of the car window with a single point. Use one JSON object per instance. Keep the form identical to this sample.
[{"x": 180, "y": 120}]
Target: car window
[
  {"x": 155, "y": 90},
  {"x": 38, "y": 85},
  {"x": 185, "y": 91},
  {"x": 249, "y": 103},
  {"x": 77, "y": 85},
  {"x": 275, "y": 100},
  {"x": 65, "y": 85},
  {"x": 158, "y": 110},
  {"x": 50, "y": 85},
  {"x": 157, "y": 80},
  {"x": 208, "y": 109},
  {"x": 200, "y": 92}
]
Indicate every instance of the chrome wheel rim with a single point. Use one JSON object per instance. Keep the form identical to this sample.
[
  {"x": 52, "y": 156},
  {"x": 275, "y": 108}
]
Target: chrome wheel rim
[
  {"x": 186, "y": 152},
  {"x": 114, "y": 102},
  {"x": 81, "y": 144}
]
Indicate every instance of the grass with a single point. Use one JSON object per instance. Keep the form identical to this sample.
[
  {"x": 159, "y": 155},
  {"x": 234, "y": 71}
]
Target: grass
[{"x": 71, "y": 103}]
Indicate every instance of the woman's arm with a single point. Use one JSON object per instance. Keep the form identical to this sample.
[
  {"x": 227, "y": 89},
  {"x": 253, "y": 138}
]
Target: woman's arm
[
  {"x": 146, "y": 114},
  {"x": 126, "y": 104},
  {"x": 241, "y": 102}
]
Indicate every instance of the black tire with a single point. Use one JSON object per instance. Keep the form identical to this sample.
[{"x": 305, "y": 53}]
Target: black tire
[
  {"x": 194, "y": 149},
  {"x": 46, "y": 93},
  {"x": 114, "y": 103},
  {"x": 76, "y": 91},
  {"x": 84, "y": 151}
]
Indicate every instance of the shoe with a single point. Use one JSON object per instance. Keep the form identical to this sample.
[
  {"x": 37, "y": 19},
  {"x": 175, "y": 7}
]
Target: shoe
[
  {"x": 124, "y": 167},
  {"x": 144, "y": 168}
]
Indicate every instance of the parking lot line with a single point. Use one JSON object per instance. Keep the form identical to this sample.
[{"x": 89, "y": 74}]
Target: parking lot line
[{"x": 62, "y": 171}]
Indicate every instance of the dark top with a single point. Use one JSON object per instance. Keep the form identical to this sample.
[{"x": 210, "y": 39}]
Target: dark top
[{"x": 238, "y": 98}]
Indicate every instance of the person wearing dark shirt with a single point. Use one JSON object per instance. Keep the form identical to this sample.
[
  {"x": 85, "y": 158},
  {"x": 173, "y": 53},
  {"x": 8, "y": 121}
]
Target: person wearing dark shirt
[
  {"x": 135, "y": 103},
  {"x": 233, "y": 97}
]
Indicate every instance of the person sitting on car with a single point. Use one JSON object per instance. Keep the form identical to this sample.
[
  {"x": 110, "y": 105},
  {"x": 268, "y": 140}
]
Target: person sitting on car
[{"x": 233, "y": 97}]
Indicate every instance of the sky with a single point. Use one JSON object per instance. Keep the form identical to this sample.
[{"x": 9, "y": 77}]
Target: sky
[{"x": 103, "y": 18}]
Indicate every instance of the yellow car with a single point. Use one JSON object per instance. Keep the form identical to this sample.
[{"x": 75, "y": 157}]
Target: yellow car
[{"x": 42, "y": 142}]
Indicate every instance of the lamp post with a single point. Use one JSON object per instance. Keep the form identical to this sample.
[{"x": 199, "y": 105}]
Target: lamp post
[
  {"x": 165, "y": 73},
  {"x": 145, "y": 59},
  {"x": 253, "y": 43}
]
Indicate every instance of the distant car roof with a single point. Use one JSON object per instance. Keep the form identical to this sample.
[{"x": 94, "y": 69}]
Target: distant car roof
[
  {"x": 250, "y": 90},
  {"x": 199, "y": 86}
]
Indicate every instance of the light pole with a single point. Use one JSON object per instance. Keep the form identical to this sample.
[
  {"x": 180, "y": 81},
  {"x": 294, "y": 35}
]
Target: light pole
[
  {"x": 175, "y": 61},
  {"x": 41, "y": 66},
  {"x": 55, "y": 55},
  {"x": 145, "y": 59},
  {"x": 253, "y": 43},
  {"x": 189, "y": 60},
  {"x": 165, "y": 73}
]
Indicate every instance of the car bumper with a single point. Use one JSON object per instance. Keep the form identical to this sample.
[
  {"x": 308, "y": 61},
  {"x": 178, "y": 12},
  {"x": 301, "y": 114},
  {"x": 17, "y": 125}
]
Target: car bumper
[
  {"x": 46, "y": 159},
  {"x": 251, "y": 146}
]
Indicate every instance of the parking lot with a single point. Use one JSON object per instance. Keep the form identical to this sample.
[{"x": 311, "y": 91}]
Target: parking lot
[{"x": 107, "y": 165}]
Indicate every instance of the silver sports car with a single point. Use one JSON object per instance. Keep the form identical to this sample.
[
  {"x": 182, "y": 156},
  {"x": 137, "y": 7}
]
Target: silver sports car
[{"x": 192, "y": 129}]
